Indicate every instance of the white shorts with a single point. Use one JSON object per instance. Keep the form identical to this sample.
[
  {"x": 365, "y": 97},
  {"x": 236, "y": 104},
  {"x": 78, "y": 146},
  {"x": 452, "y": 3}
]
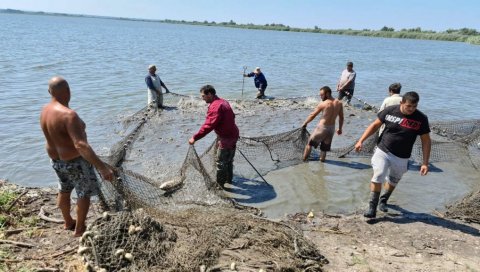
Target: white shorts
[{"x": 387, "y": 166}]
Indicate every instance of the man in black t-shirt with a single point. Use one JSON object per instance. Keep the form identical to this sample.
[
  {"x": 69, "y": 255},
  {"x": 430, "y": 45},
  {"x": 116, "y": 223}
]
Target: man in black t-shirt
[{"x": 390, "y": 161}]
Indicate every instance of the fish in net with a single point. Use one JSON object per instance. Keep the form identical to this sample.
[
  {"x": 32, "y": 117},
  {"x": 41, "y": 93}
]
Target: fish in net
[{"x": 196, "y": 225}]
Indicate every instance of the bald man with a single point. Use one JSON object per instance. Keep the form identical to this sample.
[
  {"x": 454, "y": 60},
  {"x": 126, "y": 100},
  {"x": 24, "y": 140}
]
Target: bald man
[{"x": 72, "y": 157}]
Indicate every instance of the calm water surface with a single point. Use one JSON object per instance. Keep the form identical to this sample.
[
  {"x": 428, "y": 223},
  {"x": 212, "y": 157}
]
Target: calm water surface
[{"x": 105, "y": 62}]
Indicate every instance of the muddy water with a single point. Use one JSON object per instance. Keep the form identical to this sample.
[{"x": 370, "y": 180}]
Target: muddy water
[
  {"x": 342, "y": 185},
  {"x": 338, "y": 185}
]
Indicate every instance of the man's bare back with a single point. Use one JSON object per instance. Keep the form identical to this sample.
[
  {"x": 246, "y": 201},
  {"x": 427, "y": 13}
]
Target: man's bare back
[
  {"x": 54, "y": 120},
  {"x": 65, "y": 131},
  {"x": 331, "y": 108}
]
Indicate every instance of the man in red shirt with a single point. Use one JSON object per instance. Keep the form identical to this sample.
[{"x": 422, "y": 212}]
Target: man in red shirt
[{"x": 220, "y": 117}]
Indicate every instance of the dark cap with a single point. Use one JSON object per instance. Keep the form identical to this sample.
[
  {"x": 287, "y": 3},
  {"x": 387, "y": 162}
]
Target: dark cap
[{"x": 349, "y": 63}]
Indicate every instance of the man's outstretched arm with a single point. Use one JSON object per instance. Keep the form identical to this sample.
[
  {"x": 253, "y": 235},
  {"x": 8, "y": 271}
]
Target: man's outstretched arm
[
  {"x": 79, "y": 138},
  {"x": 312, "y": 115},
  {"x": 426, "y": 148},
  {"x": 372, "y": 128}
]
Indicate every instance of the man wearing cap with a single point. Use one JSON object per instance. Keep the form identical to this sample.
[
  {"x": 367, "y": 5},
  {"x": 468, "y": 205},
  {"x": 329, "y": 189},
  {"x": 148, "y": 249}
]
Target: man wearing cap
[
  {"x": 220, "y": 117},
  {"x": 346, "y": 84},
  {"x": 260, "y": 82},
  {"x": 155, "y": 84}
]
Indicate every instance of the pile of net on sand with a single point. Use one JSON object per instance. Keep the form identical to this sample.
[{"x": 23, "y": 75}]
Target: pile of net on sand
[
  {"x": 182, "y": 221},
  {"x": 467, "y": 209},
  {"x": 196, "y": 239}
]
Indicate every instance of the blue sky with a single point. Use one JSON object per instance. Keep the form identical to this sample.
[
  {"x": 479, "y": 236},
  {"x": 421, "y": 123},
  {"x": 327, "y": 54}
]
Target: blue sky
[{"x": 331, "y": 14}]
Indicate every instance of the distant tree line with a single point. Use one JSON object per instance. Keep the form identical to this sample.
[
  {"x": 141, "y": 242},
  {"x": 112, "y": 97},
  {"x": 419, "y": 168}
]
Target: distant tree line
[{"x": 468, "y": 35}]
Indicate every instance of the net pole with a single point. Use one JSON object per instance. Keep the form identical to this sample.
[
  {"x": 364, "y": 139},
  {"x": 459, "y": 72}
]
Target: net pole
[
  {"x": 243, "y": 82},
  {"x": 253, "y": 166}
]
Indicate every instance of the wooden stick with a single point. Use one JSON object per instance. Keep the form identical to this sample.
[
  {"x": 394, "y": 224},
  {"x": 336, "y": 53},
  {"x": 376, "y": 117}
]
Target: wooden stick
[
  {"x": 16, "y": 200},
  {"x": 19, "y": 244},
  {"x": 47, "y": 269},
  {"x": 9, "y": 260},
  {"x": 63, "y": 252},
  {"x": 43, "y": 216},
  {"x": 14, "y": 231}
]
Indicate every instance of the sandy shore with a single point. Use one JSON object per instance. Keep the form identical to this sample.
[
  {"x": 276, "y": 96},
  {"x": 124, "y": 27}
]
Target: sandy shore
[{"x": 396, "y": 241}]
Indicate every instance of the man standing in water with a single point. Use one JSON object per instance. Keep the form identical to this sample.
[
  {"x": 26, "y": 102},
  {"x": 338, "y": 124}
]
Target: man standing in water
[
  {"x": 346, "y": 84},
  {"x": 390, "y": 161},
  {"x": 260, "y": 82},
  {"x": 220, "y": 117},
  {"x": 71, "y": 155},
  {"x": 155, "y": 84},
  {"x": 323, "y": 133}
]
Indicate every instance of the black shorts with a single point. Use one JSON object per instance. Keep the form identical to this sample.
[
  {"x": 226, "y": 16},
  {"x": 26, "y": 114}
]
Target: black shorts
[{"x": 345, "y": 93}]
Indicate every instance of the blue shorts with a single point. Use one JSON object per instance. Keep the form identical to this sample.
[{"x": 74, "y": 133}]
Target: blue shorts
[{"x": 76, "y": 174}]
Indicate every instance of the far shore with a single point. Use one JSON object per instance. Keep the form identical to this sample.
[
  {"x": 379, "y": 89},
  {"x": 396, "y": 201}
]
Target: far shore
[{"x": 467, "y": 35}]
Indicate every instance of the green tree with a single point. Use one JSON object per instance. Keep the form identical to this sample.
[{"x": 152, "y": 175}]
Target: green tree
[{"x": 386, "y": 28}]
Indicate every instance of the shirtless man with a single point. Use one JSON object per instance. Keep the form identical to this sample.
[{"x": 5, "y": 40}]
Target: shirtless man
[
  {"x": 325, "y": 129},
  {"x": 71, "y": 155}
]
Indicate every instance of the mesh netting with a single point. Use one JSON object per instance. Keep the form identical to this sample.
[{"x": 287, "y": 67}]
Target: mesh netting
[
  {"x": 185, "y": 221},
  {"x": 196, "y": 238},
  {"x": 467, "y": 209}
]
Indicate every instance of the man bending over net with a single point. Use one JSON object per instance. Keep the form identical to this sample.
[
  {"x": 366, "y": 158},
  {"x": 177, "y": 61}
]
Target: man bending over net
[
  {"x": 220, "y": 117},
  {"x": 323, "y": 133}
]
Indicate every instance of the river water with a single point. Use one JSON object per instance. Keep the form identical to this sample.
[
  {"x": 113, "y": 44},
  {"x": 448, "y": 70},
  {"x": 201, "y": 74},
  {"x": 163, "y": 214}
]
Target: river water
[{"x": 105, "y": 63}]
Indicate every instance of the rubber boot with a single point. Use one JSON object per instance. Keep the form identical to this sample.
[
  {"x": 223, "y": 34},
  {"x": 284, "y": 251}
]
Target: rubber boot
[
  {"x": 383, "y": 201},
  {"x": 372, "y": 205}
]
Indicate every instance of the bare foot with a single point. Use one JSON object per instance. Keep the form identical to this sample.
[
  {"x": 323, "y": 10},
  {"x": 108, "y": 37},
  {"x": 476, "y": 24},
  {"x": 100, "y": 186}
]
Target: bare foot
[
  {"x": 79, "y": 231},
  {"x": 71, "y": 226}
]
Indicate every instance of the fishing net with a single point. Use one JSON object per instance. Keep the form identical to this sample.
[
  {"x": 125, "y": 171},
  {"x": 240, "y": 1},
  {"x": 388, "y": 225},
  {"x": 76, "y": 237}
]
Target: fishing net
[
  {"x": 194, "y": 240},
  {"x": 173, "y": 216},
  {"x": 467, "y": 209}
]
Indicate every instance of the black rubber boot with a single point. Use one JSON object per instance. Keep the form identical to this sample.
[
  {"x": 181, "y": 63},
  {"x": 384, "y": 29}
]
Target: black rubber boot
[
  {"x": 383, "y": 201},
  {"x": 372, "y": 205}
]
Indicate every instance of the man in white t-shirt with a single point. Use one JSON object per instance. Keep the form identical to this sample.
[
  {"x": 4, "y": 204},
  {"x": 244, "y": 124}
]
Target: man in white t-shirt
[
  {"x": 394, "y": 98},
  {"x": 346, "y": 84}
]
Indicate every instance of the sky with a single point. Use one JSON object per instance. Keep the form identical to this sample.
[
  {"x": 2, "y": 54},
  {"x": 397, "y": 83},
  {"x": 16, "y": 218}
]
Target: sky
[{"x": 435, "y": 15}]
